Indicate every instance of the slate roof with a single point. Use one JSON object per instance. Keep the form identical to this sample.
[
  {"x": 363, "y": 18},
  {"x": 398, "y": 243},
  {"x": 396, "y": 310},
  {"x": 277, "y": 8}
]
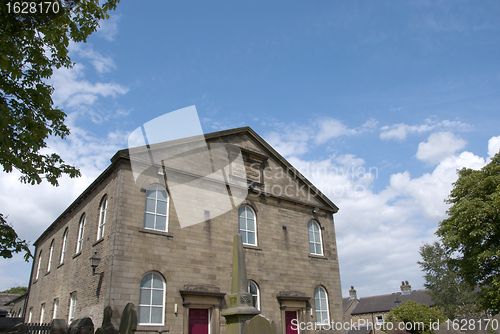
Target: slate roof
[
  {"x": 385, "y": 303},
  {"x": 5, "y": 298},
  {"x": 346, "y": 302}
]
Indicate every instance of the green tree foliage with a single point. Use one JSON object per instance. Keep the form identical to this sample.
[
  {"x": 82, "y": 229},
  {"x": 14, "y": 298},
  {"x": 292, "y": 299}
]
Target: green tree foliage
[
  {"x": 33, "y": 42},
  {"x": 418, "y": 318},
  {"x": 10, "y": 242},
  {"x": 17, "y": 290},
  {"x": 471, "y": 233},
  {"x": 444, "y": 284}
]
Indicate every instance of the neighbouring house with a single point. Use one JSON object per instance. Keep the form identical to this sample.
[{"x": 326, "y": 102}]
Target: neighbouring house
[
  {"x": 372, "y": 311},
  {"x": 180, "y": 277},
  {"x": 15, "y": 304}
]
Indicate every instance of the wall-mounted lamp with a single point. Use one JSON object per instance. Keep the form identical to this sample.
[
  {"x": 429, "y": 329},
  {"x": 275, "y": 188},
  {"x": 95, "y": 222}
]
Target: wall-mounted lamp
[
  {"x": 252, "y": 186},
  {"x": 315, "y": 210},
  {"x": 284, "y": 228},
  {"x": 175, "y": 309},
  {"x": 94, "y": 262}
]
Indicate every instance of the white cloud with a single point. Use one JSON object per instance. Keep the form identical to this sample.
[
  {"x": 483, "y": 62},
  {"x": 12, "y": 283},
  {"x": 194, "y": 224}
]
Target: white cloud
[
  {"x": 108, "y": 28},
  {"x": 72, "y": 90},
  {"x": 331, "y": 128},
  {"x": 102, "y": 64},
  {"x": 294, "y": 139},
  {"x": 439, "y": 146},
  {"x": 493, "y": 146},
  {"x": 401, "y": 130}
]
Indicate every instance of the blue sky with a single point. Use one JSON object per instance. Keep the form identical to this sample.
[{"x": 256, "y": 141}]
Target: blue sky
[{"x": 410, "y": 89}]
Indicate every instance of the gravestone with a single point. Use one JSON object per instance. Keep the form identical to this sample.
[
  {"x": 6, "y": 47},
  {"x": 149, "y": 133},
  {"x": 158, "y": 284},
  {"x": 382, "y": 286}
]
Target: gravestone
[
  {"x": 128, "y": 321},
  {"x": 107, "y": 327},
  {"x": 261, "y": 324},
  {"x": 81, "y": 326},
  {"x": 59, "y": 326}
]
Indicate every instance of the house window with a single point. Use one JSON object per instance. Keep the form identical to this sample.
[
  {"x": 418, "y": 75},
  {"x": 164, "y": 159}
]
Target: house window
[
  {"x": 151, "y": 300},
  {"x": 63, "y": 248},
  {"x": 51, "y": 251},
  {"x": 81, "y": 228},
  {"x": 30, "y": 315},
  {"x": 253, "y": 288},
  {"x": 247, "y": 225},
  {"x": 102, "y": 217},
  {"x": 42, "y": 313},
  {"x": 156, "y": 209},
  {"x": 315, "y": 243},
  {"x": 380, "y": 319},
  {"x": 321, "y": 305},
  {"x": 39, "y": 265},
  {"x": 56, "y": 307},
  {"x": 72, "y": 306}
]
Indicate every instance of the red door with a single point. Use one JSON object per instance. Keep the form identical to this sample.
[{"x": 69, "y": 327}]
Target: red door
[
  {"x": 198, "y": 321},
  {"x": 291, "y": 328}
]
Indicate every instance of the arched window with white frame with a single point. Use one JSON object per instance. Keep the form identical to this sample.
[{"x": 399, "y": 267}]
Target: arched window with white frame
[
  {"x": 39, "y": 265},
  {"x": 321, "y": 305},
  {"x": 253, "y": 289},
  {"x": 247, "y": 225},
  {"x": 315, "y": 242},
  {"x": 102, "y": 217},
  {"x": 63, "y": 247},
  {"x": 51, "y": 252},
  {"x": 151, "y": 300},
  {"x": 81, "y": 230},
  {"x": 156, "y": 208}
]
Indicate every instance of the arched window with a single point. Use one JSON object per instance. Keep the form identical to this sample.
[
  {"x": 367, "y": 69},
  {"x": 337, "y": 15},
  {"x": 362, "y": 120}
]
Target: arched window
[
  {"x": 51, "y": 251},
  {"x": 156, "y": 209},
  {"x": 81, "y": 229},
  {"x": 315, "y": 243},
  {"x": 151, "y": 300},
  {"x": 39, "y": 265},
  {"x": 247, "y": 225},
  {"x": 253, "y": 288},
  {"x": 321, "y": 305},
  {"x": 63, "y": 248},
  {"x": 102, "y": 217}
]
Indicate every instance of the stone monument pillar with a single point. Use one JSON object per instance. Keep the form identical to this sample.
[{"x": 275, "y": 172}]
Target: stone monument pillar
[{"x": 240, "y": 308}]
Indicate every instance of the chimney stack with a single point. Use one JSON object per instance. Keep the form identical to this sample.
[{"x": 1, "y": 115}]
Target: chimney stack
[
  {"x": 405, "y": 288},
  {"x": 352, "y": 293}
]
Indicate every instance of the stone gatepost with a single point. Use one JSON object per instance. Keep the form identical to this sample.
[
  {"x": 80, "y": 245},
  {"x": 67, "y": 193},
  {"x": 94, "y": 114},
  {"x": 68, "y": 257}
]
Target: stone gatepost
[{"x": 240, "y": 308}]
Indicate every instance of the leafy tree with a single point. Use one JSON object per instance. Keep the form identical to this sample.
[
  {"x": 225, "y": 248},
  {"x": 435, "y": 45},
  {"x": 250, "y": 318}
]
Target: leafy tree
[
  {"x": 444, "y": 284},
  {"x": 10, "y": 242},
  {"x": 17, "y": 290},
  {"x": 32, "y": 43},
  {"x": 418, "y": 318},
  {"x": 471, "y": 233}
]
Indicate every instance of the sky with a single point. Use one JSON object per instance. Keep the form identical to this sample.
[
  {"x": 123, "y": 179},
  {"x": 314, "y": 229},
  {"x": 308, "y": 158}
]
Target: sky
[{"x": 378, "y": 103}]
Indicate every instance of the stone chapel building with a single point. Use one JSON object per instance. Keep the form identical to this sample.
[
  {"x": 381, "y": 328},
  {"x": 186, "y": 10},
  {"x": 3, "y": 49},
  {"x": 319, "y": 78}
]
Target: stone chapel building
[{"x": 179, "y": 278}]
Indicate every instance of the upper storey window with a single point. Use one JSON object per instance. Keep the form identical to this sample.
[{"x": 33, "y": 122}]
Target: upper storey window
[
  {"x": 156, "y": 209},
  {"x": 315, "y": 243},
  {"x": 81, "y": 229},
  {"x": 247, "y": 225},
  {"x": 51, "y": 252},
  {"x": 102, "y": 217},
  {"x": 63, "y": 248}
]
